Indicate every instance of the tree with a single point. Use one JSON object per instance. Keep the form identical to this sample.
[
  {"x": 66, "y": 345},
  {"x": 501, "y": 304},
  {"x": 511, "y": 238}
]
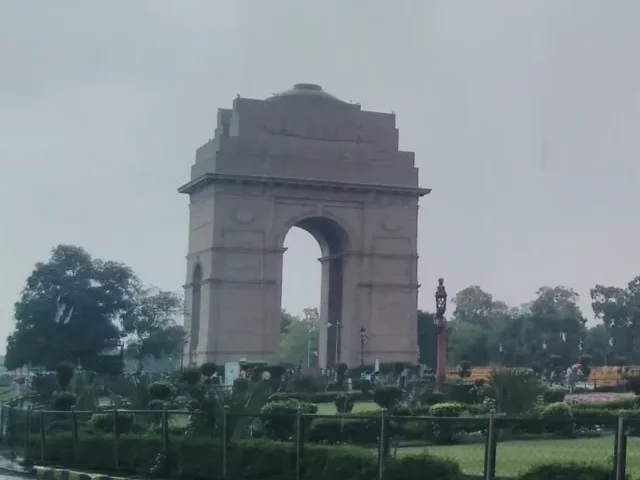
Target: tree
[
  {"x": 474, "y": 332},
  {"x": 596, "y": 344},
  {"x": 298, "y": 345},
  {"x": 97, "y": 294},
  {"x": 619, "y": 310},
  {"x": 286, "y": 319},
  {"x": 150, "y": 327}
]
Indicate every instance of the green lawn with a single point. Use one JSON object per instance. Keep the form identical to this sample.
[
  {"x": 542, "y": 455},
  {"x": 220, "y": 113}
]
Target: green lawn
[
  {"x": 515, "y": 457},
  {"x": 330, "y": 408}
]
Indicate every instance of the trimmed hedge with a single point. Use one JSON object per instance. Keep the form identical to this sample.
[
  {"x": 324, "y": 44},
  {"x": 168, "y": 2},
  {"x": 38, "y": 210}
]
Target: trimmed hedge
[
  {"x": 197, "y": 458},
  {"x": 319, "y": 397},
  {"x": 568, "y": 471}
]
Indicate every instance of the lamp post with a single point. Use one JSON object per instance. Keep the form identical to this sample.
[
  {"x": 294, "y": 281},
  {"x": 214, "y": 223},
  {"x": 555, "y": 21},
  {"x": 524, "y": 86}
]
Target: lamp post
[
  {"x": 363, "y": 336},
  {"x": 441, "y": 333},
  {"x": 337, "y": 332}
]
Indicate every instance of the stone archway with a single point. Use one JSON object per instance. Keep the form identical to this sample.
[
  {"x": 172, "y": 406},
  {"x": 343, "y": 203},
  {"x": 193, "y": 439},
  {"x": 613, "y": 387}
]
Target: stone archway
[
  {"x": 334, "y": 243},
  {"x": 304, "y": 158}
]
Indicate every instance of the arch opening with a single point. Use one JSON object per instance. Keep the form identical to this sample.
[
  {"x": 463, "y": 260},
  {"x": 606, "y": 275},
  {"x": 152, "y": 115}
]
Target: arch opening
[{"x": 324, "y": 340}]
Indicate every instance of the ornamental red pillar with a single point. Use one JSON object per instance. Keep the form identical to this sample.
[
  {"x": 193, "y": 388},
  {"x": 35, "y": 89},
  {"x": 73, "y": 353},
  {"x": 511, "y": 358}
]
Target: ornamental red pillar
[{"x": 441, "y": 333}]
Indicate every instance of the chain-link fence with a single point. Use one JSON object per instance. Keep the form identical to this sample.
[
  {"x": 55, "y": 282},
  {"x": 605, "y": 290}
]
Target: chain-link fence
[{"x": 233, "y": 445}]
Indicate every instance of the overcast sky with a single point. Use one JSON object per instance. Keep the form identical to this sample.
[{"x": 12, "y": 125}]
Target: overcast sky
[{"x": 522, "y": 115}]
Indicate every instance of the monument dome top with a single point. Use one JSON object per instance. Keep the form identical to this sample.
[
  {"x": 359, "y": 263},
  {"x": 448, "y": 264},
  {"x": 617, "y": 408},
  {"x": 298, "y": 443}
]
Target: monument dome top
[{"x": 306, "y": 90}]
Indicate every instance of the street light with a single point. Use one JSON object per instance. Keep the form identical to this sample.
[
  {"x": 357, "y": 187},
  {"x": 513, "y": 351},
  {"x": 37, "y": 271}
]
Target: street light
[
  {"x": 363, "y": 337},
  {"x": 441, "y": 331}
]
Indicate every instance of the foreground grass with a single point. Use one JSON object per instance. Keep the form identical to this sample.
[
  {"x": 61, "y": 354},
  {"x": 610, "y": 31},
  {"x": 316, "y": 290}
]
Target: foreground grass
[
  {"x": 515, "y": 457},
  {"x": 330, "y": 408}
]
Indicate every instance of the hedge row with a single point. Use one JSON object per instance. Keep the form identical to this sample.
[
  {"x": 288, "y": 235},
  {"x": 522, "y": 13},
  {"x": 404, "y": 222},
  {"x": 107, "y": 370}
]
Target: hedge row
[
  {"x": 195, "y": 458},
  {"x": 444, "y": 423},
  {"x": 198, "y": 458},
  {"x": 319, "y": 397}
]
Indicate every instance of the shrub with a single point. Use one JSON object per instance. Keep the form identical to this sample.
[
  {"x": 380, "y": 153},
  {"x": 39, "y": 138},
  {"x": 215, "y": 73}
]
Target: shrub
[
  {"x": 387, "y": 397},
  {"x": 513, "y": 391},
  {"x": 568, "y": 471},
  {"x": 191, "y": 375},
  {"x": 464, "y": 369},
  {"x": 208, "y": 369},
  {"x": 279, "y": 417},
  {"x": 460, "y": 392},
  {"x": 198, "y": 457},
  {"x": 64, "y": 373},
  {"x": 103, "y": 422},
  {"x": 431, "y": 397},
  {"x": 344, "y": 403},
  {"x": 364, "y": 385},
  {"x": 64, "y": 401},
  {"x": 335, "y": 387},
  {"x": 319, "y": 397},
  {"x": 280, "y": 396},
  {"x": 558, "y": 419},
  {"x": 307, "y": 383},
  {"x": 633, "y": 382},
  {"x": 44, "y": 384},
  {"x": 341, "y": 371},
  {"x": 345, "y": 430},
  {"x": 446, "y": 429},
  {"x": 554, "y": 394},
  {"x": 161, "y": 390}
]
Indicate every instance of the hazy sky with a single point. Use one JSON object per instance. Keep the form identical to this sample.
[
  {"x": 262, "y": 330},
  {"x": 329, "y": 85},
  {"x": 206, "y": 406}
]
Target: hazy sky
[{"x": 522, "y": 115}]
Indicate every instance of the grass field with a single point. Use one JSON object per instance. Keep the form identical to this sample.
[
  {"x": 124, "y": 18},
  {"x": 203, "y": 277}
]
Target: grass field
[{"x": 516, "y": 457}]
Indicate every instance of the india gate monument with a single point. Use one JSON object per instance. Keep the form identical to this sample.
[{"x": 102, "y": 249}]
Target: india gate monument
[{"x": 302, "y": 158}]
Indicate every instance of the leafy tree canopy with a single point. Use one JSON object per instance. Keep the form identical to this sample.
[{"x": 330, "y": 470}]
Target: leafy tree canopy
[{"x": 94, "y": 296}]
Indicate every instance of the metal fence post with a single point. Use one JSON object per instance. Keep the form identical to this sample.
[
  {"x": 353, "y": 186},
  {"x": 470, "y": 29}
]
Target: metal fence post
[
  {"x": 42, "y": 438},
  {"x": 2, "y": 424},
  {"x": 165, "y": 429},
  {"x": 27, "y": 432},
  {"x": 381, "y": 451},
  {"x": 225, "y": 437},
  {"x": 116, "y": 440},
  {"x": 74, "y": 434},
  {"x": 11, "y": 425},
  {"x": 298, "y": 442},
  {"x": 620, "y": 453},
  {"x": 490, "y": 449}
]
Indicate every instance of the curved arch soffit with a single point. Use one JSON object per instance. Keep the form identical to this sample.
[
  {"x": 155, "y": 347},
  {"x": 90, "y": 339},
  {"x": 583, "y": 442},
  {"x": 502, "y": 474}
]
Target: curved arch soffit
[{"x": 330, "y": 232}]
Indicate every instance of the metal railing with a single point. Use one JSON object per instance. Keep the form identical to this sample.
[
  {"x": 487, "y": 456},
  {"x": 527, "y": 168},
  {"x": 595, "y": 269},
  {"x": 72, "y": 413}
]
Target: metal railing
[{"x": 485, "y": 447}]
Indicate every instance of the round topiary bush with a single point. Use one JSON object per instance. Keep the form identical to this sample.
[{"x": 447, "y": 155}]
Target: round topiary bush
[
  {"x": 63, "y": 401},
  {"x": 554, "y": 394},
  {"x": 191, "y": 375},
  {"x": 447, "y": 428},
  {"x": 208, "y": 369},
  {"x": 104, "y": 422},
  {"x": 464, "y": 369},
  {"x": 341, "y": 371},
  {"x": 64, "y": 373},
  {"x": 558, "y": 419},
  {"x": 344, "y": 403},
  {"x": 161, "y": 390},
  {"x": 279, "y": 418},
  {"x": 388, "y": 396}
]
